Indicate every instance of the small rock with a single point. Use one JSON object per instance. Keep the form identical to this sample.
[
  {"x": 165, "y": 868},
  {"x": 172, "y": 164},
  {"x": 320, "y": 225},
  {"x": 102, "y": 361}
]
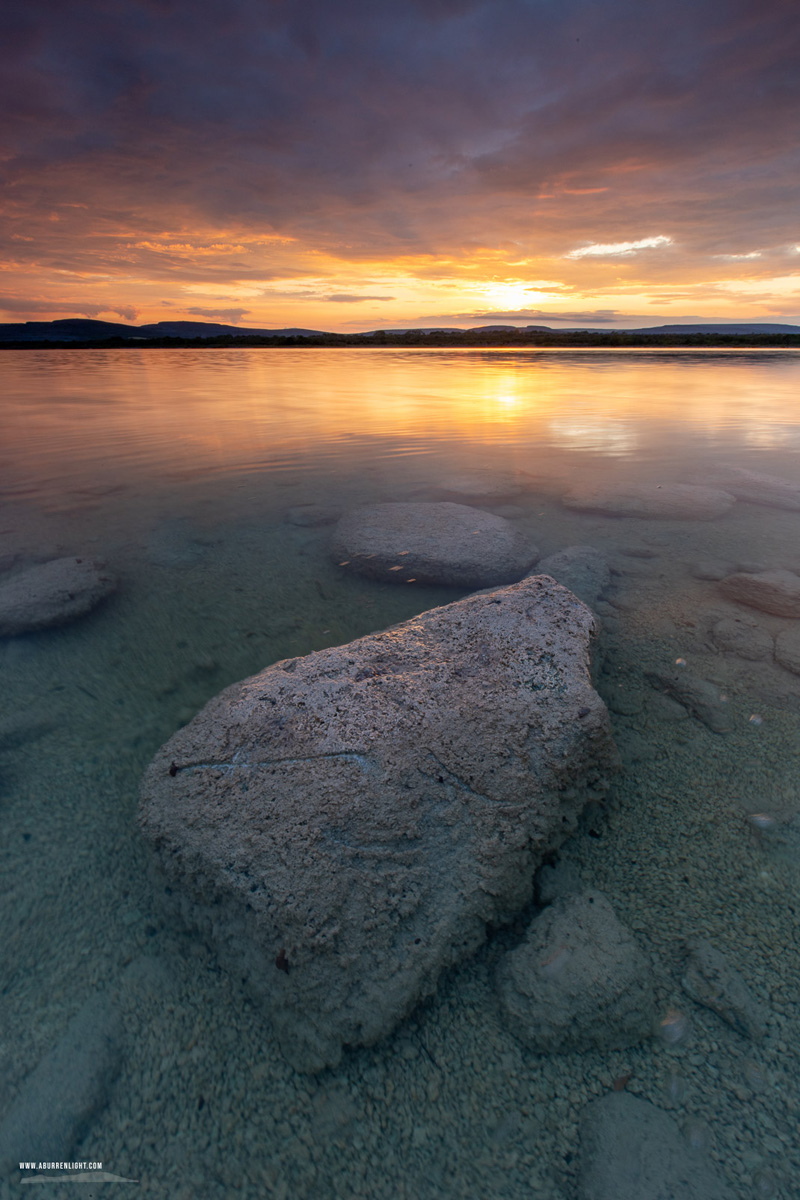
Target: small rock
[
  {"x": 673, "y": 501},
  {"x": 625, "y": 704},
  {"x": 582, "y": 569},
  {"x": 578, "y": 980},
  {"x": 23, "y": 727},
  {"x": 742, "y": 637},
  {"x": 713, "y": 982},
  {"x": 57, "y": 1101},
  {"x": 435, "y": 543},
  {"x": 52, "y": 594},
  {"x": 702, "y": 699},
  {"x": 787, "y": 649},
  {"x": 312, "y": 515},
  {"x": 776, "y": 592},
  {"x": 631, "y": 1150}
]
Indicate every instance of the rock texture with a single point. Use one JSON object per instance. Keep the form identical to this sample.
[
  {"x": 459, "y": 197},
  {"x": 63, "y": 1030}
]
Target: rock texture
[
  {"x": 439, "y": 543},
  {"x": 343, "y": 826},
  {"x": 787, "y": 649},
  {"x": 582, "y": 569},
  {"x": 742, "y": 637},
  {"x": 52, "y": 594},
  {"x": 760, "y": 489},
  {"x": 776, "y": 592},
  {"x": 711, "y": 981},
  {"x": 578, "y": 980},
  {"x": 675, "y": 501},
  {"x": 631, "y": 1150},
  {"x": 57, "y": 1101}
]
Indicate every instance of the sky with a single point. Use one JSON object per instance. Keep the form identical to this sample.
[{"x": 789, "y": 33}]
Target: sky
[{"x": 359, "y": 164}]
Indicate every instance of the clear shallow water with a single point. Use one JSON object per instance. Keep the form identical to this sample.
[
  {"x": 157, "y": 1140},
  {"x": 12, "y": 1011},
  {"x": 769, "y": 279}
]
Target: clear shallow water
[{"x": 178, "y": 469}]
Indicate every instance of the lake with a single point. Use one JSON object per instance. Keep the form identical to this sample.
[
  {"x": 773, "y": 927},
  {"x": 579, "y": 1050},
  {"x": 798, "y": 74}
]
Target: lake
[{"x": 187, "y": 473}]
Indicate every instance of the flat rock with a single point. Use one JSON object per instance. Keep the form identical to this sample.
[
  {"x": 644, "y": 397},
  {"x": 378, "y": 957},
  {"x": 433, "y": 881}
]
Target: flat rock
[
  {"x": 343, "y": 826},
  {"x": 776, "y": 592},
  {"x": 711, "y": 980},
  {"x": 579, "y": 979},
  {"x": 55, "y": 1104},
  {"x": 313, "y": 515},
  {"x": 787, "y": 649},
  {"x": 582, "y": 569},
  {"x": 437, "y": 543},
  {"x": 701, "y": 698},
  {"x": 52, "y": 594},
  {"x": 758, "y": 488},
  {"x": 631, "y": 1150},
  {"x": 674, "y": 501},
  {"x": 742, "y": 637}
]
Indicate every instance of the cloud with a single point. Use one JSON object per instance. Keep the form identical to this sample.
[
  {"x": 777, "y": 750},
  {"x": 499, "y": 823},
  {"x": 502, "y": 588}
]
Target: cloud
[
  {"x": 607, "y": 249},
  {"x": 351, "y": 298},
  {"x": 55, "y": 309},
  {"x": 217, "y": 142},
  {"x": 232, "y": 315}
]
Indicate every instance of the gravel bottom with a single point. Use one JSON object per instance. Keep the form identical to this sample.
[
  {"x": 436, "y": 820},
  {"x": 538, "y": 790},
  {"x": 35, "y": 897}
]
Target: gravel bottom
[{"x": 451, "y": 1105}]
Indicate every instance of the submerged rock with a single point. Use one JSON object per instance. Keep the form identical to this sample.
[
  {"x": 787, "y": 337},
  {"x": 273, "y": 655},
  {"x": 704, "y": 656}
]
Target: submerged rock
[
  {"x": 674, "y": 501},
  {"x": 631, "y": 1150},
  {"x": 760, "y": 489},
  {"x": 55, "y": 1104},
  {"x": 776, "y": 592},
  {"x": 343, "y": 826},
  {"x": 484, "y": 485},
  {"x": 713, "y": 982},
  {"x": 438, "y": 543},
  {"x": 582, "y": 569},
  {"x": 702, "y": 699},
  {"x": 787, "y": 649},
  {"x": 742, "y": 637},
  {"x": 578, "y": 980},
  {"x": 52, "y": 594}
]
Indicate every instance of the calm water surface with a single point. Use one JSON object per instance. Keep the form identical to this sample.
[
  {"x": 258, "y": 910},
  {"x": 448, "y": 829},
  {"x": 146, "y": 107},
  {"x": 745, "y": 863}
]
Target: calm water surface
[{"x": 181, "y": 470}]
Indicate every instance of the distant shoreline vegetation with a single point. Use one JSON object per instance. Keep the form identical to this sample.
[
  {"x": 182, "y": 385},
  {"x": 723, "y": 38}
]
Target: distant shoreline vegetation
[{"x": 499, "y": 339}]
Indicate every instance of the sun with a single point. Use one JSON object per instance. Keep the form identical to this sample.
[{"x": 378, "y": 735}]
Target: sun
[{"x": 513, "y": 296}]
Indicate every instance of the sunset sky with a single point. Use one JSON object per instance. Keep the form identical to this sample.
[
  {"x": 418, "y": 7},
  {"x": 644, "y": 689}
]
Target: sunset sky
[{"x": 358, "y": 164}]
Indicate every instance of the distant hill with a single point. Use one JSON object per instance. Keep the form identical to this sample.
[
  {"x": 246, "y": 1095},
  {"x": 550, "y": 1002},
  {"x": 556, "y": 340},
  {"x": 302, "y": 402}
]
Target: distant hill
[
  {"x": 81, "y": 330},
  {"x": 86, "y": 332}
]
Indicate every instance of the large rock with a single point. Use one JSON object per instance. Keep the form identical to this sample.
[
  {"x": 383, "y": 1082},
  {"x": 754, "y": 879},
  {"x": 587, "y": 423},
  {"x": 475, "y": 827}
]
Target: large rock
[
  {"x": 485, "y": 485},
  {"x": 578, "y": 980},
  {"x": 51, "y": 594},
  {"x": 58, "y": 1100},
  {"x": 439, "y": 543},
  {"x": 343, "y": 826},
  {"x": 675, "y": 501},
  {"x": 582, "y": 569},
  {"x": 759, "y": 488},
  {"x": 631, "y": 1150},
  {"x": 776, "y": 592}
]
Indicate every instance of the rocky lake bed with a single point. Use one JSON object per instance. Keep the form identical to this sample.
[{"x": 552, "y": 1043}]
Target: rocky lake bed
[{"x": 656, "y": 931}]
